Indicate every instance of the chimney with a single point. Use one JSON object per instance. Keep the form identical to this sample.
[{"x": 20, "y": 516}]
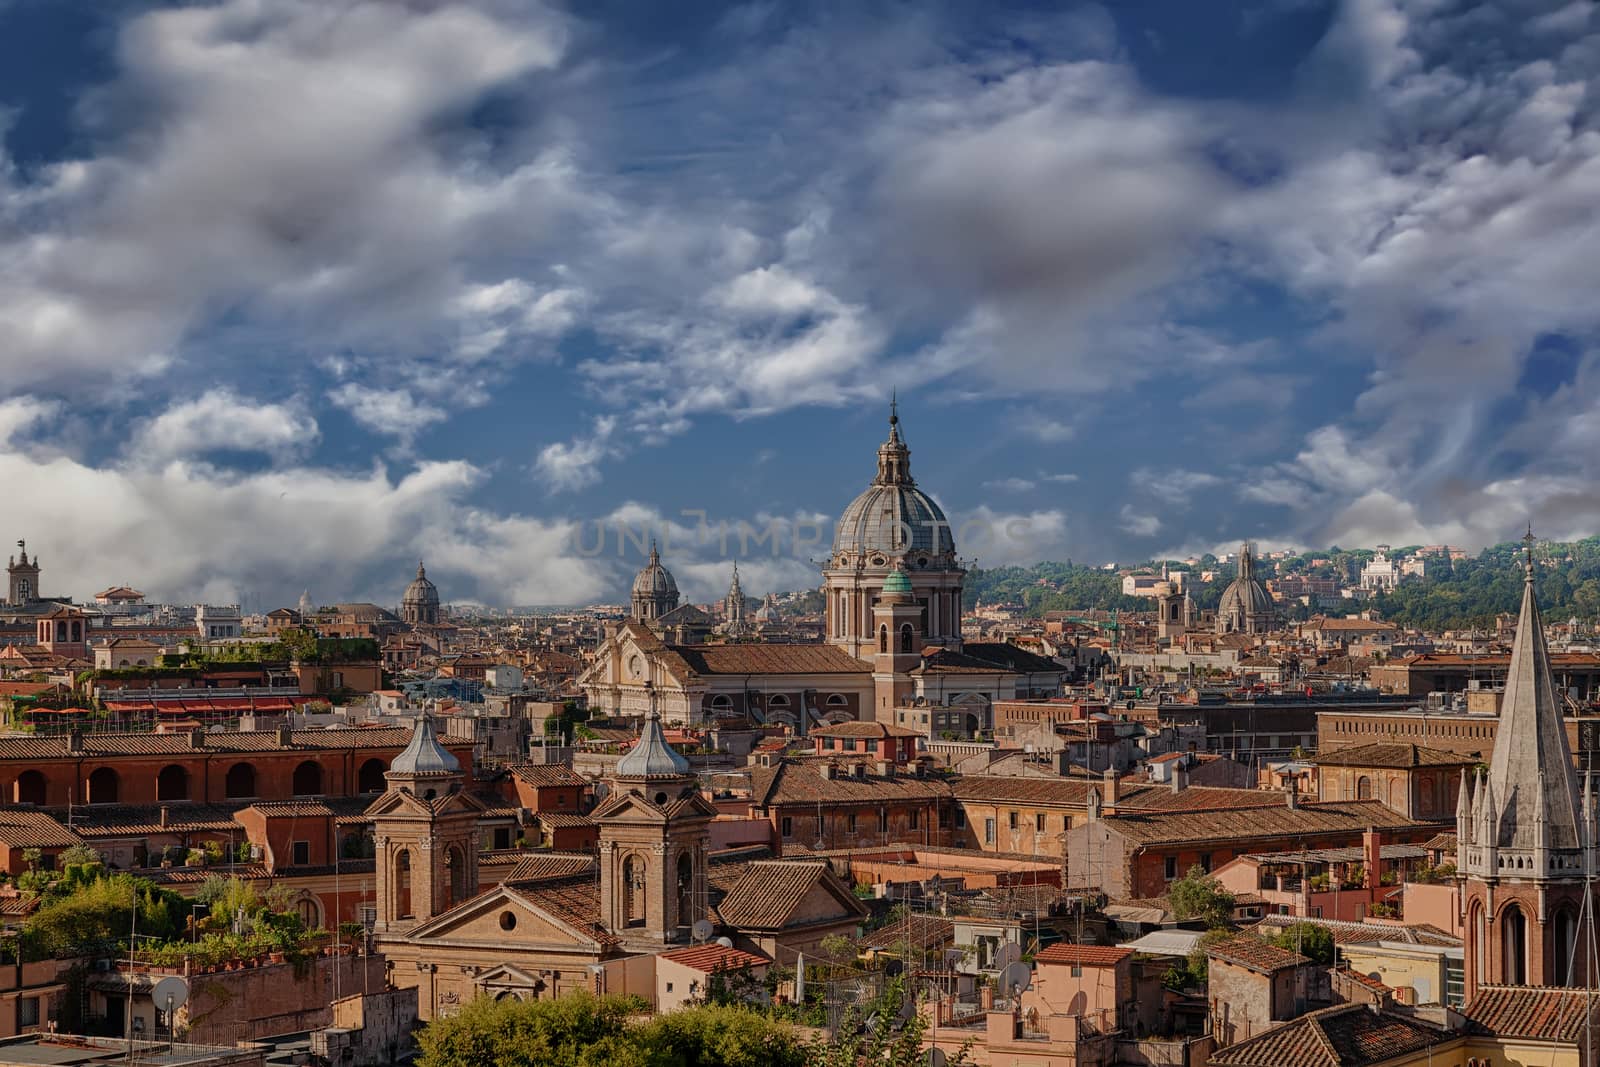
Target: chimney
[
  {"x": 1180, "y": 774},
  {"x": 74, "y": 741},
  {"x": 1372, "y": 857},
  {"x": 163, "y": 820},
  {"x": 1291, "y": 793},
  {"x": 885, "y": 769},
  {"x": 197, "y": 737},
  {"x": 1112, "y": 786},
  {"x": 285, "y": 736}
]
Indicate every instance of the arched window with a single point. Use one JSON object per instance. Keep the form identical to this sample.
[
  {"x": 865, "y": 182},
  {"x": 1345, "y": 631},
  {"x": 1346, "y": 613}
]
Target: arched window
[
  {"x": 1566, "y": 941},
  {"x": 369, "y": 779},
  {"x": 883, "y": 639},
  {"x": 633, "y": 869},
  {"x": 309, "y": 909},
  {"x": 685, "y": 887},
  {"x": 402, "y": 884},
  {"x": 172, "y": 783},
  {"x": 103, "y": 786},
  {"x": 1478, "y": 925},
  {"x": 308, "y": 779},
  {"x": 240, "y": 782},
  {"x": 1426, "y": 800},
  {"x": 1513, "y": 946},
  {"x": 1363, "y": 788},
  {"x": 777, "y": 700},
  {"x": 722, "y": 702},
  {"x": 905, "y": 638},
  {"x": 455, "y": 863},
  {"x": 30, "y": 788},
  {"x": 838, "y": 700}
]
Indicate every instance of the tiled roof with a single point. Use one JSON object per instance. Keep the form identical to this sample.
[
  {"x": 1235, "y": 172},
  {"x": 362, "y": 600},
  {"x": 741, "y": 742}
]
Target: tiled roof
[
  {"x": 542, "y": 775},
  {"x": 1445, "y": 842},
  {"x": 544, "y": 866},
  {"x": 865, "y": 729},
  {"x": 29, "y": 828},
  {"x": 563, "y": 818},
  {"x": 135, "y": 819},
  {"x": 1389, "y": 754},
  {"x": 1350, "y": 1035},
  {"x": 929, "y": 930},
  {"x": 1084, "y": 955},
  {"x": 1199, "y": 798},
  {"x": 769, "y": 658},
  {"x": 1010, "y": 657},
  {"x": 710, "y": 958},
  {"x": 296, "y": 809},
  {"x": 796, "y": 782},
  {"x": 1064, "y": 792},
  {"x": 575, "y": 901},
  {"x": 1529, "y": 1012},
  {"x": 1256, "y": 954},
  {"x": 768, "y": 892},
  {"x": 1280, "y": 820},
  {"x": 1367, "y": 933},
  {"x": 149, "y": 744}
]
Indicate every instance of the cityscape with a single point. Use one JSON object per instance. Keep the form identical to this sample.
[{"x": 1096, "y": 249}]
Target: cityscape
[{"x": 882, "y": 535}]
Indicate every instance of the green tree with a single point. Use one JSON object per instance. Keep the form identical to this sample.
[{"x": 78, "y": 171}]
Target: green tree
[
  {"x": 870, "y": 1035},
  {"x": 1197, "y": 895},
  {"x": 97, "y": 917},
  {"x": 1310, "y": 940}
]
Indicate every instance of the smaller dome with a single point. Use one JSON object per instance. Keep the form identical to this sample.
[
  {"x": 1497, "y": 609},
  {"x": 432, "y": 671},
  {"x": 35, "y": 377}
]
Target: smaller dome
[
  {"x": 425, "y": 755},
  {"x": 421, "y": 591},
  {"x": 654, "y": 580},
  {"x": 897, "y": 582},
  {"x": 652, "y": 757}
]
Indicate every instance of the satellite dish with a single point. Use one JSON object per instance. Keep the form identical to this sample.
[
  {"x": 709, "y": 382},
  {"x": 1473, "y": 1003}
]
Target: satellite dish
[
  {"x": 170, "y": 993},
  {"x": 701, "y": 929},
  {"x": 725, "y": 942},
  {"x": 1016, "y": 978},
  {"x": 1009, "y": 953},
  {"x": 936, "y": 1058}
]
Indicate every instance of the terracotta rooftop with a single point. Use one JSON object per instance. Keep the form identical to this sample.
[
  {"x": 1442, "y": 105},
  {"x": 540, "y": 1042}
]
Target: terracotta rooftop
[
  {"x": 931, "y": 931},
  {"x": 150, "y": 744},
  {"x": 1529, "y": 1012},
  {"x": 29, "y": 828},
  {"x": 767, "y": 894},
  {"x": 575, "y": 901},
  {"x": 770, "y": 658},
  {"x": 797, "y": 782},
  {"x": 1389, "y": 754},
  {"x": 711, "y": 958},
  {"x": 865, "y": 729},
  {"x": 544, "y": 866},
  {"x": 1084, "y": 955},
  {"x": 544, "y": 775},
  {"x": 1256, "y": 954},
  {"x": 1244, "y": 824},
  {"x": 1367, "y": 933},
  {"x": 1350, "y": 1035}
]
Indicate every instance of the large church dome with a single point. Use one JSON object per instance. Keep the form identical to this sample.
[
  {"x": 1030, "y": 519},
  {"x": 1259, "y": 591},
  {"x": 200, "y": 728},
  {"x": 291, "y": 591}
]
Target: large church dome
[
  {"x": 893, "y": 517},
  {"x": 654, "y": 579},
  {"x": 1246, "y": 606},
  {"x": 421, "y": 590}
]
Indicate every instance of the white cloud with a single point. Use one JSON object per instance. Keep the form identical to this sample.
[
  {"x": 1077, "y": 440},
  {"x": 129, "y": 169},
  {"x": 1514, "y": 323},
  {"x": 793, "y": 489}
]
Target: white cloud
[
  {"x": 570, "y": 465},
  {"x": 220, "y": 420},
  {"x": 1066, "y": 478},
  {"x": 392, "y": 412},
  {"x": 1137, "y": 523},
  {"x": 1173, "y": 485},
  {"x": 1011, "y": 485}
]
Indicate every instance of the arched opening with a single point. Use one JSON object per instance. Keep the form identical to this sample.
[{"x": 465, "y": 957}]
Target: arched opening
[
  {"x": 1563, "y": 973},
  {"x": 103, "y": 786},
  {"x": 1478, "y": 925},
  {"x": 308, "y": 779},
  {"x": 973, "y": 726},
  {"x": 777, "y": 700},
  {"x": 30, "y": 788},
  {"x": 838, "y": 700},
  {"x": 240, "y": 782},
  {"x": 1363, "y": 788},
  {"x": 722, "y": 702},
  {"x": 309, "y": 909},
  {"x": 402, "y": 883},
  {"x": 883, "y": 638},
  {"x": 369, "y": 779},
  {"x": 633, "y": 871},
  {"x": 685, "y": 886},
  {"x": 1513, "y": 946},
  {"x": 456, "y": 875},
  {"x": 905, "y": 637},
  {"x": 1425, "y": 800},
  {"x": 172, "y": 783}
]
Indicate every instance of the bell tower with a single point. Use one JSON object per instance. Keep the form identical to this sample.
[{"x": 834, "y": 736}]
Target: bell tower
[
  {"x": 1526, "y": 832},
  {"x": 425, "y": 829},
  {"x": 24, "y": 575},
  {"x": 897, "y": 625},
  {"x": 653, "y": 843}
]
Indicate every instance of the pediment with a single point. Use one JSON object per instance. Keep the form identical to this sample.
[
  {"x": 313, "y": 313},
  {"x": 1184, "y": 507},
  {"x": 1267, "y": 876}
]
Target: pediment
[
  {"x": 507, "y": 975},
  {"x": 629, "y": 807},
  {"x": 481, "y": 920}
]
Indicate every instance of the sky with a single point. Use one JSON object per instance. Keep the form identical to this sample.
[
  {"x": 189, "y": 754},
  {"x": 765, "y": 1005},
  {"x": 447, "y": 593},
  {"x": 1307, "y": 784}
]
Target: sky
[{"x": 294, "y": 293}]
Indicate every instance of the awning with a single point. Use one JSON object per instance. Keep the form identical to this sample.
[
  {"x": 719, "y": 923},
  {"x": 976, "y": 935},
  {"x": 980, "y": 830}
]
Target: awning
[{"x": 1166, "y": 942}]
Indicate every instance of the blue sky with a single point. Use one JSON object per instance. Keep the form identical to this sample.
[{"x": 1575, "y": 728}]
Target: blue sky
[{"x": 294, "y": 292}]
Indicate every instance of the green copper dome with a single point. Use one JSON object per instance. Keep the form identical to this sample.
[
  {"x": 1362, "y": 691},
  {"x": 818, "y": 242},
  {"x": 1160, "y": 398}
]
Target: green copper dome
[{"x": 897, "y": 582}]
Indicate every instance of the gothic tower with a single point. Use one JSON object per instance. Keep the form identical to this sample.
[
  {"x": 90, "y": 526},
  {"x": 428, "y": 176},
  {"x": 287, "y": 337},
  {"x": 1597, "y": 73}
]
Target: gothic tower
[
  {"x": 1526, "y": 831},
  {"x": 425, "y": 829},
  {"x": 736, "y": 623},
  {"x": 653, "y": 843},
  {"x": 892, "y": 525},
  {"x": 24, "y": 575}
]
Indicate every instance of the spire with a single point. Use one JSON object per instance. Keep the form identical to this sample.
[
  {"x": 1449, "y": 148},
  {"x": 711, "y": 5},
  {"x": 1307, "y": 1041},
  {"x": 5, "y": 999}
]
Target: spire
[
  {"x": 894, "y": 458},
  {"x": 655, "y": 557},
  {"x": 652, "y": 757},
  {"x": 422, "y": 571},
  {"x": 1535, "y": 788},
  {"x": 1247, "y": 562}
]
